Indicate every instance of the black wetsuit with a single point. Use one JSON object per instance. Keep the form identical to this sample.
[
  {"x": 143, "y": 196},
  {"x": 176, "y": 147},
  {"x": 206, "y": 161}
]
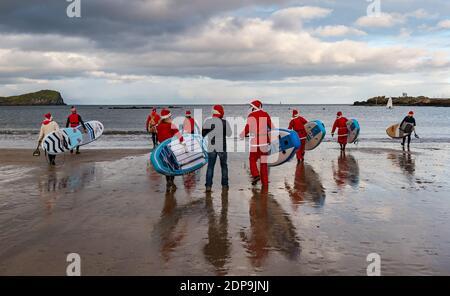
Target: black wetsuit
[{"x": 410, "y": 120}]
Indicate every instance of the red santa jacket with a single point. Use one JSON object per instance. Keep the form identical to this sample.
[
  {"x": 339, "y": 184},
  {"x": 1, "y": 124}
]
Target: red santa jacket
[
  {"x": 258, "y": 125},
  {"x": 188, "y": 125},
  {"x": 298, "y": 124},
  {"x": 341, "y": 124},
  {"x": 167, "y": 130}
]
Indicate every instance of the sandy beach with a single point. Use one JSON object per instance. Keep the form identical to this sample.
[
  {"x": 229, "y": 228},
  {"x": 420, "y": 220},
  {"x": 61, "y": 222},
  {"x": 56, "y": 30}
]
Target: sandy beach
[{"x": 320, "y": 218}]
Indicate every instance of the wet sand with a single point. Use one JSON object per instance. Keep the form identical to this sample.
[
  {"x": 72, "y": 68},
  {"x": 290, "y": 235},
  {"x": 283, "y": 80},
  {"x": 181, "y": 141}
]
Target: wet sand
[{"x": 320, "y": 218}]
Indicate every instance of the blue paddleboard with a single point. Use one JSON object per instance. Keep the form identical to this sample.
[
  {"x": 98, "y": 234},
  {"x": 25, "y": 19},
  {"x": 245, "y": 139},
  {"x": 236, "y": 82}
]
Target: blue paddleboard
[
  {"x": 171, "y": 158},
  {"x": 353, "y": 130},
  {"x": 284, "y": 144}
]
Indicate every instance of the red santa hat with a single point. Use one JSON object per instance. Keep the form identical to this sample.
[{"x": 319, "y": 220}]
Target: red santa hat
[
  {"x": 411, "y": 113},
  {"x": 48, "y": 116},
  {"x": 218, "y": 111},
  {"x": 165, "y": 113},
  {"x": 188, "y": 113},
  {"x": 295, "y": 114},
  {"x": 256, "y": 104}
]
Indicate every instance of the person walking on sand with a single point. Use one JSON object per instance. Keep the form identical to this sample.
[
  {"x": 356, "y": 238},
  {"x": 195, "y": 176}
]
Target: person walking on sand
[
  {"x": 74, "y": 120},
  {"x": 407, "y": 127},
  {"x": 258, "y": 125},
  {"x": 166, "y": 130},
  {"x": 48, "y": 126},
  {"x": 341, "y": 124},
  {"x": 297, "y": 124},
  {"x": 189, "y": 123},
  {"x": 217, "y": 129},
  {"x": 152, "y": 121}
]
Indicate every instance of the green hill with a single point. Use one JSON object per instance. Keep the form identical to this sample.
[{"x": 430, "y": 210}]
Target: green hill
[{"x": 40, "y": 98}]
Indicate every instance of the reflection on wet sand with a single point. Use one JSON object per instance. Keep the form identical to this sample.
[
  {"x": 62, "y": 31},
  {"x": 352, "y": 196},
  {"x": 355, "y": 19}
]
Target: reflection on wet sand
[
  {"x": 346, "y": 172},
  {"x": 190, "y": 181},
  {"x": 53, "y": 184},
  {"x": 307, "y": 186},
  {"x": 217, "y": 249},
  {"x": 405, "y": 162},
  {"x": 171, "y": 229},
  {"x": 270, "y": 229}
]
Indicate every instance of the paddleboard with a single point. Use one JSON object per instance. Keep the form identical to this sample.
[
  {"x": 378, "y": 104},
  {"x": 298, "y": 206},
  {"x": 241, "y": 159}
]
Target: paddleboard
[
  {"x": 283, "y": 145},
  {"x": 353, "y": 130},
  {"x": 62, "y": 140},
  {"x": 395, "y": 132},
  {"x": 315, "y": 133},
  {"x": 94, "y": 130},
  {"x": 171, "y": 158}
]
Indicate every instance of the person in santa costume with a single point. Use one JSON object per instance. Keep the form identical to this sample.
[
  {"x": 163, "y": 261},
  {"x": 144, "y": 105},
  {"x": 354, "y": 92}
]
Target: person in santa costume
[
  {"x": 152, "y": 121},
  {"x": 189, "y": 123},
  {"x": 258, "y": 125},
  {"x": 217, "y": 129},
  {"x": 166, "y": 130},
  {"x": 48, "y": 126},
  {"x": 297, "y": 124},
  {"x": 74, "y": 120},
  {"x": 341, "y": 124}
]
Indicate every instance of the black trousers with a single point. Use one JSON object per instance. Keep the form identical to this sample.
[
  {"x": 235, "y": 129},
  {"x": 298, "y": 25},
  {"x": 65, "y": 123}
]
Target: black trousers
[
  {"x": 409, "y": 139},
  {"x": 154, "y": 139}
]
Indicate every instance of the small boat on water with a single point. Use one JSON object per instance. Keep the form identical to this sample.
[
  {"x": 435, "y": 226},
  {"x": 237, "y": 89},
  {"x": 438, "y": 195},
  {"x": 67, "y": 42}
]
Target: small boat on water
[{"x": 390, "y": 104}]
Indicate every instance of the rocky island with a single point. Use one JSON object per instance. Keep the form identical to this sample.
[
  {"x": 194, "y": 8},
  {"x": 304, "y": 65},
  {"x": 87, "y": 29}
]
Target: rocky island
[
  {"x": 40, "y": 98},
  {"x": 405, "y": 101}
]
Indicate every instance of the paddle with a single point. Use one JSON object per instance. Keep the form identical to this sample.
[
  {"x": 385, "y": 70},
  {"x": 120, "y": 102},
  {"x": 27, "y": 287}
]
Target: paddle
[{"x": 37, "y": 152}]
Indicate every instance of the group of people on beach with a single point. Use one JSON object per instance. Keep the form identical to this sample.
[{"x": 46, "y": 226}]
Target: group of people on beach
[
  {"x": 49, "y": 125},
  {"x": 258, "y": 125}
]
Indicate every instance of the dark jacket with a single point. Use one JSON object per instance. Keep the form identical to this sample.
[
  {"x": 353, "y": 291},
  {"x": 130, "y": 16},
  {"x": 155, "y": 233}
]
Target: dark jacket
[
  {"x": 217, "y": 130},
  {"x": 407, "y": 121}
]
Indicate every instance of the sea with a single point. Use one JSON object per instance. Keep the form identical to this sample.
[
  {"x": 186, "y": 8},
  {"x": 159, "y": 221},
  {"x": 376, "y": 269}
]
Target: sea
[{"x": 125, "y": 125}]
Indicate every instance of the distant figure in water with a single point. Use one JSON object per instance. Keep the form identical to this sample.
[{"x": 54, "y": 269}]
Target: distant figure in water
[
  {"x": 297, "y": 124},
  {"x": 75, "y": 120},
  {"x": 407, "y": 126},
  {"x": 152, "y": 121},
  {"x": 48, "y": 126},
  {"x": 166, "y": 130},
  {"x": 189, "y": 123},
  {"x": 341, "y": 124}
]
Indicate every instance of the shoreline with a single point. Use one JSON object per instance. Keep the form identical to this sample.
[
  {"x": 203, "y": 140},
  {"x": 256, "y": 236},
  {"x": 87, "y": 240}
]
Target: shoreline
[{"x": 21, "y": 156}]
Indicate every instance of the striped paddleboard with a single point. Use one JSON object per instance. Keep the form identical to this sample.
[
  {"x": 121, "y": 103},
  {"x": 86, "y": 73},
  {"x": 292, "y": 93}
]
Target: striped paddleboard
[
  {"x": 94, "y": 130},
  {"x": 171, "y": 158},
  {"x": 62, "y": 140}
]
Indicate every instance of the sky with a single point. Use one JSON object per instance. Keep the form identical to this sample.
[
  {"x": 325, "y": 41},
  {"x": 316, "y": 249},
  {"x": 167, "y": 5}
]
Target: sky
[{"x": 215, "y": 51}]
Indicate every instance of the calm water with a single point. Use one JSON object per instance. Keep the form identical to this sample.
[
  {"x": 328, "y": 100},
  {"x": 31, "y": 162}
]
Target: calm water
[{"x": 126, "y": 127}]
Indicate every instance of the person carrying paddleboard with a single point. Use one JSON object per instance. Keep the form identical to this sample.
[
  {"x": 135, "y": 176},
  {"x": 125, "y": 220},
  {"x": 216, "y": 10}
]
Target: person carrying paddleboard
[
  {"x": 297, "y": 124},
  {"x": 341, "y": 124},
  {"x": 189, "y": 123},
  {"x": 407, "y": 127},
  {"x": 152, "y": 121},
  {"x": 74, "y": 120},
  {"x": 48, "y": 126},
  {"x": 258, "y": 125},
  {"x": 217, "y": 129},
  {"x": 166, "y": 130}
]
